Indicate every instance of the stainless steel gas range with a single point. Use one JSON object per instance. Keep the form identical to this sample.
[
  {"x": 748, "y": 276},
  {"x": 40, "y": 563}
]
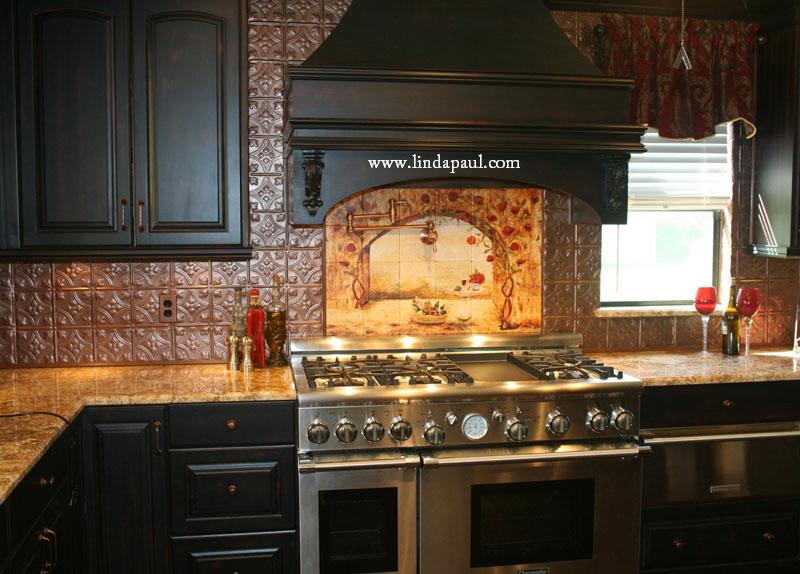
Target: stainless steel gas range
[{"x": 469, "y": 453}]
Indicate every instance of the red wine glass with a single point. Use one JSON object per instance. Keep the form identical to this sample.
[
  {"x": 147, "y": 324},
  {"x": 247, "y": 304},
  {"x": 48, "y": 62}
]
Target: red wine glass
[
  {"x": 748, "y": 302},
  {"x": 705, "y": 301}
]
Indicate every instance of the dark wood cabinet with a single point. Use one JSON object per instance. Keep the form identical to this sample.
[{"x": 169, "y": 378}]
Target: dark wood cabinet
[
  {"x": 125, "y": 484},
  {"x": 776, "y": 174},
  {"x": 274, "y": 552},
  {"x": 131, "y": 134}
]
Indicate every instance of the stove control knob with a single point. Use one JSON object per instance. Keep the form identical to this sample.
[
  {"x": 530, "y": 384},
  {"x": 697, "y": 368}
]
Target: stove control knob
[
  {"x": 373, "y": 430},
  {"x": 516, "y": 430},
  {"x": 557, "y": 423},
  {"x": 498, "y": 416},
  {"x": 597, "y": 421},
  {"x": 622, "y": 419},
  {"x": 346, "y": 431},
  {"x": 318, "y": 433},
  {"x": 433, "y": 433},
  {"x": 401, "y": 429},
  {"x": 451, "y": 418}
]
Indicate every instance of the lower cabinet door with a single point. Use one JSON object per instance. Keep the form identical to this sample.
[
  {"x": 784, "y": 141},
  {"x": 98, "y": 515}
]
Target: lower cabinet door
[{"x": 262, "y": 553}]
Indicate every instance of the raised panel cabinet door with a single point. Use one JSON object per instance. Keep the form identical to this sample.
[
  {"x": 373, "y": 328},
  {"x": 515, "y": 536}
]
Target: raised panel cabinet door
[
  {"x": 188, "y": 108},
  {"x": 74, "y": 148},
  {"x": 125, "y": 490}
]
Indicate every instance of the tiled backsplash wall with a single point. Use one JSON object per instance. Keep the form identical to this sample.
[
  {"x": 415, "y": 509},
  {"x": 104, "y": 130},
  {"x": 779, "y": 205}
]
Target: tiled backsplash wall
[{"x": 96, "y": 312}]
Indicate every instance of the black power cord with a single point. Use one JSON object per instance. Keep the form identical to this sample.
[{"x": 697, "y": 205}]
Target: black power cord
[{"x": 34, "y": 413}]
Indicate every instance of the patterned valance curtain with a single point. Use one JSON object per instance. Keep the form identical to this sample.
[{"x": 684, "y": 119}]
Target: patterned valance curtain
[{"x": 681, "y": 104}]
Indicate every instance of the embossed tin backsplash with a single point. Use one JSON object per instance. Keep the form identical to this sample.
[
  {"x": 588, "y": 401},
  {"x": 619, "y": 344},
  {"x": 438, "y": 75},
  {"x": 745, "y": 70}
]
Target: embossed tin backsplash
[{"x": 84, "y": 313}]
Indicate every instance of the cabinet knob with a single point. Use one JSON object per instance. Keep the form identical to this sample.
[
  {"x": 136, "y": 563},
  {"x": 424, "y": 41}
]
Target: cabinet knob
[
  {"x": 47, "y": 481},
  {"x": 768, "y": 537},
  {"x": 728, "y": 404},
  {"x": 231, "y": 424},
  {"x": 678, "y": 544},
  {"x": 233, "y": 490}
]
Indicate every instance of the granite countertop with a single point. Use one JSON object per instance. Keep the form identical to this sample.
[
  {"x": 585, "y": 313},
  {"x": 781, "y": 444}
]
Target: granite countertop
[
  {"x": 664, "y": 368},
  {"x": 65, "y": 391}
]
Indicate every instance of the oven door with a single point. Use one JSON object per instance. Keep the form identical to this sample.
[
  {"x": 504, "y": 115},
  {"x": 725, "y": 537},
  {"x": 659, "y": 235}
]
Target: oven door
[
  {"x": 532, "y": 510},
  {"x": 358, "y": 513}
]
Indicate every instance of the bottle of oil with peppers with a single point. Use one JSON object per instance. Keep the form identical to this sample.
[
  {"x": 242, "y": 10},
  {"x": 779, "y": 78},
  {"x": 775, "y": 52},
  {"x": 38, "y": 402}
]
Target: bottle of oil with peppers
[
  {"x": 276, "y": 324},
  {"x": 255, "y": 330}
]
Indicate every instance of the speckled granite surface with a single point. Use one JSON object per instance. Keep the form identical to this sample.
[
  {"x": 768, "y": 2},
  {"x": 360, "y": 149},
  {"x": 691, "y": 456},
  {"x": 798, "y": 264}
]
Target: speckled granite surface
[
  {"x": 66, "y": 391},
  {"x": 659, "y": 368}
]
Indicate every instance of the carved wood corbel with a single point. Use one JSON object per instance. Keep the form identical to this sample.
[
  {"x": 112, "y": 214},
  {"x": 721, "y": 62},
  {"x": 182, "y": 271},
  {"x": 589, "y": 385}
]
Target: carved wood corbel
[{"x": 312, "y": 168}]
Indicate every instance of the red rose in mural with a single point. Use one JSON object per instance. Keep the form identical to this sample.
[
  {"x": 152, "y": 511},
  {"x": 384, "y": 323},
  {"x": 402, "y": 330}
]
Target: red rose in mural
[
  {"x": 492, "y": 217},
  {"x": 502, "y": 206},
  {"x": 465, "y": 217},
  {"x": 515, "y": 246},
  {"x": 490, "y": 258},
  {"x": 471, "y": 240},
  {"x": 478, "y": 200},
  {"x": 477, "y": 277},
  {"x": 528, "y": 226},
  {"x": 508, "y": 230},
  {"x": 452, "y": 196},
  {"x": 425, "y": 198},
  {"x": 351, "y": 248}
]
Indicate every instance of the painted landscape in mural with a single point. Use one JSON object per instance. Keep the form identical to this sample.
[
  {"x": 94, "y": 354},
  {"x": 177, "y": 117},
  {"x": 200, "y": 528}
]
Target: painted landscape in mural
[{"x": 451, "y": 260}]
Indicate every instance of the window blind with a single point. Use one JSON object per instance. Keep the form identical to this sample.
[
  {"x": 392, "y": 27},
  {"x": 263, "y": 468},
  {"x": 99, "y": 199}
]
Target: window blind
[{"x": 681, "y": 175}]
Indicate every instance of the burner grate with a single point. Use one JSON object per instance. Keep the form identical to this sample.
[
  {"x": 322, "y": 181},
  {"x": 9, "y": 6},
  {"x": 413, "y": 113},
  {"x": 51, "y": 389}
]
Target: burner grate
[{"x": 569, "y": 365}]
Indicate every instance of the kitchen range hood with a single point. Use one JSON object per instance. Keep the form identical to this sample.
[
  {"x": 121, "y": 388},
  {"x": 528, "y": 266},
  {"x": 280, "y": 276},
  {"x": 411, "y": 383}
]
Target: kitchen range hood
[{"x": 459, "y": 84}]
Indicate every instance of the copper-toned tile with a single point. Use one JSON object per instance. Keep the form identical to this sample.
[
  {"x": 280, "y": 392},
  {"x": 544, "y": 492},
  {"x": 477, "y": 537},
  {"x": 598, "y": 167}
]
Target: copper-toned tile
[
  {"x": 265, "y": 79},
  {"x": 265, "y": 42},
  {"x": 74, "y": 346},
  {"x": 266, "y": 116},
  {"x": 7, "y": 346},
  {"x": 263, "y": 10},
  {"x": 33, "y": 275},
  {"x": 219, "y": 343},
  {"x": 68, "y": 275},
  {"x": 562, "y": 325},
  {"x": 305, "y": 236},
  {"x": 305, "y": 304},
  {"x": 267, "y": 193},
  {"x": 305, "y": 267},
  {"x": 268, "y": 230},
  {"x": 302, "y": 40},
  {"x": 114, "y": 345},
  {"x": 559, "y": 300},
  {"x": 194, "y": 305},
  {"x": 153, "y": 344},
  {"x": 146, "y": 306},
  {"x": 557, "y": 228},
  {"x": 36, "y": 347},
  {"x": 623, "y": 334},
  {"x": 689, "y": 332},
  {"x": 229, "y": 273},
  {"x": 266, "y": 264},
  {"x": 777, "y": 267},
  {"x": 559, "y": 263},
  {"x": 587, "y": 298},
  {"x": 554, "y": 200},
  {"x": 111, "y": 274},
  {"x": 333, "y": 10},
  {"x": 781, "y": 296},
  {"x": 266, "y": 155},
  {"x": 112, "y": 307},
  {"x": 658, "y": 332},
  {"x": 33, "y": 308},
  {"x": 222, "y": 305},
  {"x": 302, "y": 330},
  {"x": 308, "y": 11},
  {"x": 780, "y": 330},
  {"x": 587, "y": 264},
  {"x": 6, "y": 308},
  {"x": 586, "y": 234},
  {"x": 192, "y": 273},
  {"x": 74, "y": 308},
  {"x": 751, "y": 266},
  {"x": 152, "y": 275},
  {"x": 6, "y": 276},
  {"x": 193, "y": 343},
  {"x": 594, "y": 331}
]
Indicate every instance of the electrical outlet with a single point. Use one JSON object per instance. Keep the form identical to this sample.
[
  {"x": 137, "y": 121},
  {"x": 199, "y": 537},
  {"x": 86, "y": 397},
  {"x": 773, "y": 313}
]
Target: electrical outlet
[{"x": 167, "y": 309}]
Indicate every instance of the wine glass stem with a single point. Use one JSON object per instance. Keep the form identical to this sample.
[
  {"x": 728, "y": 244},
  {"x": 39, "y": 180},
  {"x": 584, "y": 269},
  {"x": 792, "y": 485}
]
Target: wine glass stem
[
  {"x": 748, "y": 322},
  {"x": 705, "y": 333}
]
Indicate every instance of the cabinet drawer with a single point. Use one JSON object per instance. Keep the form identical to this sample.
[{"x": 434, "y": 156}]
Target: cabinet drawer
[
  {"x": 243, "y": 553},
  {"x": 231, "y": 424},
  {"x": 38, "y": 489},
  {"x": 233, "y": 490},
  {"x": 732, "y": 541}
]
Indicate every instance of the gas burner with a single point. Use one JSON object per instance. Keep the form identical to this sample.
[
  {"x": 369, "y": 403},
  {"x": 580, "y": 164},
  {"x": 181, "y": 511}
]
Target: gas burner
[
  {"x": 564, "y": 366},
  {"x": 419, "y": 373}
]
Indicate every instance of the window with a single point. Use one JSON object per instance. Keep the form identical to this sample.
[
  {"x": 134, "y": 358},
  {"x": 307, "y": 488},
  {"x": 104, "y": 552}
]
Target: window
[{"x": 679, "y": 196}]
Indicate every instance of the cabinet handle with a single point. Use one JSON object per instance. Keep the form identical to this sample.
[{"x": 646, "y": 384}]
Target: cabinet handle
[
  {"x": 231, "y": 424},
  {"x": 678, "y": 544},
  {"x": 123, "y": 215},
  {"x": 46, "y": 481},
  {"x": 49, "y": 536},
  {"x": 728, "y": 404},
  {"x": 141, "y": 215},
  {"x": 233, "y": 490},
  {"x": 157, "y": 431},
  {"x": 768, "y": 537}
]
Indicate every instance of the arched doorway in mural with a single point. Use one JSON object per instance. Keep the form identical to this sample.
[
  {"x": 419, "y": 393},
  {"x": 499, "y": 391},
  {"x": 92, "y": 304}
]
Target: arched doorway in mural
[{"x": 483, "y": 273}]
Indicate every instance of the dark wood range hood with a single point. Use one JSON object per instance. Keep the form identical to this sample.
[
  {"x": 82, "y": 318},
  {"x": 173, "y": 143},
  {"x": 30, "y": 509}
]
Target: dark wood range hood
[{"x": 454, "y": 79}]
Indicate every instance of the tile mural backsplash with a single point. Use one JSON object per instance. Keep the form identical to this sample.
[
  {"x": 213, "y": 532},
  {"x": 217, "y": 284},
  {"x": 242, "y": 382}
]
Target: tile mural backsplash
[
  {"x": 96, "y": 312},
  {"x": 482, "y": 274}
]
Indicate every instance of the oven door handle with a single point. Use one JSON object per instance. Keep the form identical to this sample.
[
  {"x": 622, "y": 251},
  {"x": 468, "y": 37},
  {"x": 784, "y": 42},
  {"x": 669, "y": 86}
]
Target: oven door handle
[
  {"x": 536, "y": 457},
  {"x": 706, "y": 438},
  {"x": 309, "y": 465}
]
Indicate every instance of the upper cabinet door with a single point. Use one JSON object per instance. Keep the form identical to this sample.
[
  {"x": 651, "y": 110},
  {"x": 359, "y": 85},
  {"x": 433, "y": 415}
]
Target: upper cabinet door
[
  {"x": 187, "y": 93},
  {"x": 73, "y": 123}
]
